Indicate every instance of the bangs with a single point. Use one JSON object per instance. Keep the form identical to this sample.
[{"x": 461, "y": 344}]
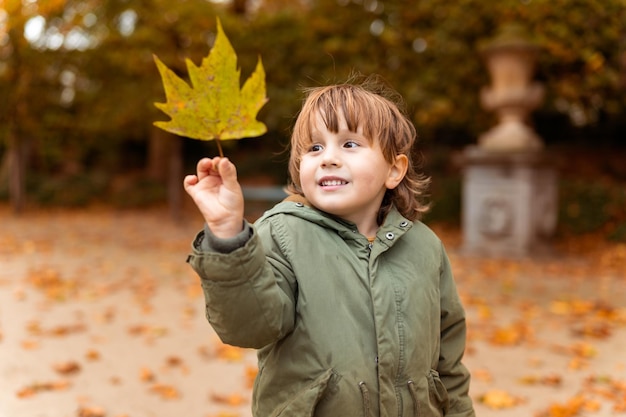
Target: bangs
[
  {"x": 357, "y": 108},
  {"x": 343, "y": 103}
]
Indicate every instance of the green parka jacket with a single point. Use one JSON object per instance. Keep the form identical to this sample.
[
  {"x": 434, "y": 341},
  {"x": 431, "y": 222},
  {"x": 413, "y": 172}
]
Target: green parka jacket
[{"x": 344, "y": 328}]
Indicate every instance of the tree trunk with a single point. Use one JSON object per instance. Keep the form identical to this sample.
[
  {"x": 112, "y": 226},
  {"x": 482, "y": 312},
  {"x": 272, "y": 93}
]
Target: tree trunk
[
  {"x": 175, "y": 179},
  {"x": 159, "y": 144},
  {"x": 165, "y": 165},
  {"x": 240, "y": 7},
  {"x": 17, "y": 170},
  {"x": 18, "y": 110}
]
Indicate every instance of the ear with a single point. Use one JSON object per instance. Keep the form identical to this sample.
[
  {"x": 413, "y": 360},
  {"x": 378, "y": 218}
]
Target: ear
[{"x": 397, "y": 171}]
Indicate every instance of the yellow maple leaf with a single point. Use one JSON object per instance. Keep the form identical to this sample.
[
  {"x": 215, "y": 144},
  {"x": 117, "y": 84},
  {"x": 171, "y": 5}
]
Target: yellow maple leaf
[{"x": 213, "y": 106}]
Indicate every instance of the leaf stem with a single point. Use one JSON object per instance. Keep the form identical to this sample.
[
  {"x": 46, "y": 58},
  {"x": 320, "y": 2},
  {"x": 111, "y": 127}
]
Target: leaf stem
[{"x": 219, "y": 147}]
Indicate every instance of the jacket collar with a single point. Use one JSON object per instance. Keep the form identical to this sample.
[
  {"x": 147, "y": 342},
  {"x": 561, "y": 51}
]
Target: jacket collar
[{"x": 394, "y": 226}]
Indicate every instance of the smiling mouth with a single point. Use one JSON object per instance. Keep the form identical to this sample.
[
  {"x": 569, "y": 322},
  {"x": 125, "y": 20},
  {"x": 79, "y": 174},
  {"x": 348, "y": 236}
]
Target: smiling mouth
[{"x": 332, "y": 183}]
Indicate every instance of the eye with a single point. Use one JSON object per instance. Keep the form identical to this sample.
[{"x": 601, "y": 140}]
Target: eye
[
  {"x": 351, "y": 144},
  {"x": 315, "y": 147}
]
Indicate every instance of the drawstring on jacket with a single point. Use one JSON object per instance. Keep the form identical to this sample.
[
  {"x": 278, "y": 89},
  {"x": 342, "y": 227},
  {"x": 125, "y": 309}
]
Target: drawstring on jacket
[
  {"x": 367, "y": 411},
  {"x": 365, "y": 393},
  {"x": 416, "y": 404}
]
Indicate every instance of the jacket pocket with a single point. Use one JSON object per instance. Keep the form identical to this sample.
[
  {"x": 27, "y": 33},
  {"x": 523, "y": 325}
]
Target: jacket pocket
[
  {"x": 304, "y": 402},
  {"x": 438, "y": 392}
]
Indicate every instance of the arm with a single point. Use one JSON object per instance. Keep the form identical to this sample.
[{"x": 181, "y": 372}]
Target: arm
[
  {"x": 245, "y": 301},
  {"x": 454, "y": 375},
  {"x": 249, "y": 298}
]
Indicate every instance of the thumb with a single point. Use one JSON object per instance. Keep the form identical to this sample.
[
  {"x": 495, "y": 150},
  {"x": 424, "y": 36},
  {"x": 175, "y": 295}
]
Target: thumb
[{"x": 228, "y": 172}]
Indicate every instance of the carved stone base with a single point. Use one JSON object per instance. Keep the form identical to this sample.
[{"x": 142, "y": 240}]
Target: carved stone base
[
  {"x": 510, "y": 136},
  {"x": 510, "y": 202}
]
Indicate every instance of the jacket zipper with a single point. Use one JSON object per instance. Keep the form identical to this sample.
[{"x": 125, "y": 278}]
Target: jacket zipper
[{"x": 367, "y": 411}]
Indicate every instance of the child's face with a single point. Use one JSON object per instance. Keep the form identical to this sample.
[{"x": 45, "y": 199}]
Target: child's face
[{"x": 345, "y": 175}]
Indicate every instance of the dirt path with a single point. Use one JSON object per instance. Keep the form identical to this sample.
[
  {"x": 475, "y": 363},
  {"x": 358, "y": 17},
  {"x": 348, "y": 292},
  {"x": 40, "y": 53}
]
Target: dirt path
[{"x": 100, "y": 316}]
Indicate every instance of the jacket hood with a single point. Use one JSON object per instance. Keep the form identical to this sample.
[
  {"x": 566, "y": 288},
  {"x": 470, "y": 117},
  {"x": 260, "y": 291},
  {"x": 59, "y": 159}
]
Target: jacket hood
[{"x": 394, "y": 226}]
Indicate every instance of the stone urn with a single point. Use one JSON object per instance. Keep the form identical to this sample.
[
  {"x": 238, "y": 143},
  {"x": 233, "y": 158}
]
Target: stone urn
[
  {"x": 510, "y": 187},
  {"x": 511, "y": 59}
]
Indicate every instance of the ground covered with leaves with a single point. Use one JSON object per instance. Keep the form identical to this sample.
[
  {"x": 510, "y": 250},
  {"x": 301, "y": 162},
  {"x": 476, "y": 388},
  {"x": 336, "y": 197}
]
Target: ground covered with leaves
[{"x": 101, "y": 317}]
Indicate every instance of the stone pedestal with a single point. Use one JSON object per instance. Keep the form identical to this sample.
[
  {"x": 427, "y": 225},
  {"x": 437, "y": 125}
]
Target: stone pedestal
[{"x": 509, "y": 202}]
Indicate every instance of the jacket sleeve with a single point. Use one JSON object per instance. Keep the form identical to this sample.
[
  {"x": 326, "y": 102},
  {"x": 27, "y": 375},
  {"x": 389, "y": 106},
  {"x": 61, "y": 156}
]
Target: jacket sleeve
[
  {"x": 454, "y": 375},
  {"x": 249, "y": 301}
]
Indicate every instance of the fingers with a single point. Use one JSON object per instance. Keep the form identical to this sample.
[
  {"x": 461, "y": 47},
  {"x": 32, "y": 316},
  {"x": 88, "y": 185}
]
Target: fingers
[
  {"x": 190, "y": 181},
  {"x": 204, "y": 167},
  {"x": 217, "y": 167},
  {"x": 228, "y": 172}
]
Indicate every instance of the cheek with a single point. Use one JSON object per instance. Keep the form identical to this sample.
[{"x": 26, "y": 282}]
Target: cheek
[
  {"x": 373, "y": 170},
  {"x": 305, "y": 166},
  {"x": 305, "y": 174}
]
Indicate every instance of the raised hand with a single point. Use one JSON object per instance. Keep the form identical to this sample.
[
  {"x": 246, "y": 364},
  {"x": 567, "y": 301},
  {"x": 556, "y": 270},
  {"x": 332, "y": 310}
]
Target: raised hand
[{"x": 218, "y": 195}]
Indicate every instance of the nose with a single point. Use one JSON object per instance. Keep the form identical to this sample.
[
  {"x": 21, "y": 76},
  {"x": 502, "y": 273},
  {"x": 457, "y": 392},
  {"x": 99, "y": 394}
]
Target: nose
[{"x": 330, "y": 157}]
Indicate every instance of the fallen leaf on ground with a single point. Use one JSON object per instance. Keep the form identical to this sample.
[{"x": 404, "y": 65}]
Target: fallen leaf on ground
[
  {"x": 174, "y": 361},
  {"x": 251, "y": 373},
  {"x": 167, "y": 392},
  {"x": 512, "y": 334},
  {"x": 148, "y": 331},
  {"x": 29, "y": 344},
  {"x": 570, "y": 408},
  {"x": 499, "y": 399},
  {"x": 231, "y": 399},
  {"x": 67, "y": 368},
  {"x": 482, "y": 375},
  {"x": 549, "y": 380},
  {"x": 92, "y": 355},
  {"x": 230, "y": 353},
  {"x": 205, "y": 352},
  {"x": 35, "y": 329},
  {"x": 146, "y": 375},
  {"x": 91, "y": 412},
  {"x": 52, "y": 284},
  {"x": 38, "y": 387}
]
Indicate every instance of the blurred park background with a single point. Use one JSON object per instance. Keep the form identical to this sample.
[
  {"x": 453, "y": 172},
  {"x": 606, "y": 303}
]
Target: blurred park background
[
  {"x": 78, "y": 85},
  {"x": 101, "y": 317}
]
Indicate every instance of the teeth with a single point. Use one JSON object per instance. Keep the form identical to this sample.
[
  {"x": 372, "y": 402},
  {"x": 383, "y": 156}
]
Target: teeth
[{"x": 333, "y": 182}]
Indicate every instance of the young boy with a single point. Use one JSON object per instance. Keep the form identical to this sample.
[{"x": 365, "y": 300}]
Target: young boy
[{"x": 347, "y": 295}]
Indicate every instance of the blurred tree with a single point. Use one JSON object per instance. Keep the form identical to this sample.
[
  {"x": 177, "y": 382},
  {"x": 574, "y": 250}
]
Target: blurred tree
[
  {"x": 95, "y": 82},
  {"x": 80, "y": 82},
  {"x": 129, "y": 84},
  {"x": 26, "y": 77},
  {"x": 428, "y": 50}
]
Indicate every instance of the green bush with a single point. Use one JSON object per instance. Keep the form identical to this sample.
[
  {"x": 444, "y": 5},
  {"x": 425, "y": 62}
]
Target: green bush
[
  {"x": 585, "y": 206},
  {"x": 138, "y": 192},
  {"x": 445, "y": 201},
  {"x": 66, "y": 190},
  {"x": 592, "y": 206}
]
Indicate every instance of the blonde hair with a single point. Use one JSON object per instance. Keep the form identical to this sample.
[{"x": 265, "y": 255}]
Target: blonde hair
[{"x": 378, "y": 109}]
